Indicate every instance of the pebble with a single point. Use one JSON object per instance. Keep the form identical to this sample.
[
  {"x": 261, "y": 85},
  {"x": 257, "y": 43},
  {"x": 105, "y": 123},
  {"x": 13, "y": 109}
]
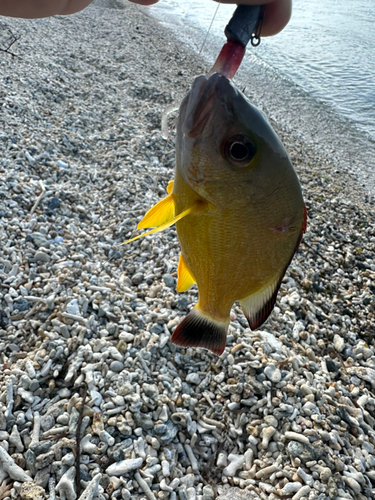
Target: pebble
[
  {"x": 137, "y": 278},
  {"x": 92, "y": 489},
  {"x": 235, "y": 463},
  {"x": 65, "y": 487},
  {"x": 124, "y": 467},
  {"x": 39, "y": 240},
  {"x": 9, "y": 466},
  {"x": 266, "y": 471},
  {"x": 290, "y": 488},
  {"x": 42, "y": 256},
  {"x": 273, "y": 373},
  {"x": 302, "y": 492},
  {"x": 306, "y": 478},
  {"x": 353, "y": 484},
  {"x": 295, "y": 436},
  {"x": 62, "y": 164},
  {"x": 338, "y": 342},
  {"x": 53, "y": 203},
  {"x": 72, "y": 307},
  {"x": 285, "y": 410},
  {"x": 116, "y": 366},
  {"x": 15, "y": 439},
  {"x": 266, "y": 436},
  {"x": 22, "y": 305},
  {"x": 31, "y": 491},
  {"x": 144, "y": 421},
  {"x": 169, "y": 280},
  {"x": 144, "y": 486},
  {"x": 193, "y": 378},
  {"x": 87, "y": 445},
  {"x": 325, "y": 474}
]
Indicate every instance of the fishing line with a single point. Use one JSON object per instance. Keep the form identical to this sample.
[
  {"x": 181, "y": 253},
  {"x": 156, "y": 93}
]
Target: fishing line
[
  {"x": 170, "y": 109},
  {"x": 165, "y": 134},
  {"x": 210, "y": 26},
  {"x": 161, "y": 163},
  {"x": 175, "y": 106}
]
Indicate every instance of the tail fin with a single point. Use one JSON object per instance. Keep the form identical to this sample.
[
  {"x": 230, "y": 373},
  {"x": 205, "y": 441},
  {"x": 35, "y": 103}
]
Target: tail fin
[{"x": 200, "y": 330}]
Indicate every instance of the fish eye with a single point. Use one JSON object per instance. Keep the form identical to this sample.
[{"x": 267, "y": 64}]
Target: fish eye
[{"x": 239, "y": 150}]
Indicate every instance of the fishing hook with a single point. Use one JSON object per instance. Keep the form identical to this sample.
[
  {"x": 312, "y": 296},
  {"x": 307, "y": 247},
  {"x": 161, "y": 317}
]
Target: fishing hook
[{"x": 255, "y": 37}]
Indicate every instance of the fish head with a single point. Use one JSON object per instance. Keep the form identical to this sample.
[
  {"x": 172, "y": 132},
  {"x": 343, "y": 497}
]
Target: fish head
[{"x": 226, "y": 150}]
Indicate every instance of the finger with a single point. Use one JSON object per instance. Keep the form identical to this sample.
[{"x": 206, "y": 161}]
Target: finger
[
  {"x": 33, "y": 9},
  {"x": 144, "y": 2},
  {"x": 246, "y": 2},
  {"x": 277, "y": 16}
]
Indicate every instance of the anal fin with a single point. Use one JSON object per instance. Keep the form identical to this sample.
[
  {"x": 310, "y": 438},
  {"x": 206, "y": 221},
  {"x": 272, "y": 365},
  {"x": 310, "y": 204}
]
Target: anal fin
[
  {"x": 185, "y": 277},
  {"x": 257, "y": 307},
  {"x": 200, "y": 330}
]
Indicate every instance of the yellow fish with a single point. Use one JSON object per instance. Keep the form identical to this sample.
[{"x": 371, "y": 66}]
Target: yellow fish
[{"x": 238, "y": 208}]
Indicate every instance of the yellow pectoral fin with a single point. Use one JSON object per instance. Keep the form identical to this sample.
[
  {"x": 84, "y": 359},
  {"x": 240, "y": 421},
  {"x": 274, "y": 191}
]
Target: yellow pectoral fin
[
  {"x": 195, "y": 208},
  {"x": 185, "y": 278},
  {"x": 160, "y": 213},
  {"x": 170, "y": 187}
]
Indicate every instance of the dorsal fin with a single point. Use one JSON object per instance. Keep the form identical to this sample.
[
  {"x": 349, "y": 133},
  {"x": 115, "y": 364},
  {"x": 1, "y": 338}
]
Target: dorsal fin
[
  {"x": 160, "y": 213},
  {"x": 185, "y": 277}
]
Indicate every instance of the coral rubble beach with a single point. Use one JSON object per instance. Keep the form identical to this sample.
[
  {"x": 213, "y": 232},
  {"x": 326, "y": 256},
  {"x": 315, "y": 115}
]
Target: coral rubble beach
[{"x": 85, "y": 324}]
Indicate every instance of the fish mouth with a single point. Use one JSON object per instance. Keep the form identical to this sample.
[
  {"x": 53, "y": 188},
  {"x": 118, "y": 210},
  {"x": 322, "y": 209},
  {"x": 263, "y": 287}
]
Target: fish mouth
[{"x": 200, "y": 102}]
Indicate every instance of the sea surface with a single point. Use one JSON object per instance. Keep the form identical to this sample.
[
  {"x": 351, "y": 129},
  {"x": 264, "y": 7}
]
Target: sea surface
[{"x": 316, "y": 76}]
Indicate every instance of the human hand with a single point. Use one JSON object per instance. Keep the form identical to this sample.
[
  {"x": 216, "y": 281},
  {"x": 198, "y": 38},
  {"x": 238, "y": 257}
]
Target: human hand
[
  {"x": 33, "y": 9},
  {"x": 277, "y": 15}
]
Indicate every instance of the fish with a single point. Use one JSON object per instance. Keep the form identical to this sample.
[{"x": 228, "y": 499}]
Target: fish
[{"x": 238, "y": 208}]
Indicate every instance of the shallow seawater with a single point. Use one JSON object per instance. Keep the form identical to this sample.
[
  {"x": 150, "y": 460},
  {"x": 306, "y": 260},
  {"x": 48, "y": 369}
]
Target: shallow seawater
[{"x": 317, "y": 75}]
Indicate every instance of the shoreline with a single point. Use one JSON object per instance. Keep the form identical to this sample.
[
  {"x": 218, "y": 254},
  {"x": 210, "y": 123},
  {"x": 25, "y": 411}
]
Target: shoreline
[
  {"x": 286, "y": 411},
  {"x": 292, "y": 111}
]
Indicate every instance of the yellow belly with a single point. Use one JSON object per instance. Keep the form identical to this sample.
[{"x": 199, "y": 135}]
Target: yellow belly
[{"x": 233, "y": 253}]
